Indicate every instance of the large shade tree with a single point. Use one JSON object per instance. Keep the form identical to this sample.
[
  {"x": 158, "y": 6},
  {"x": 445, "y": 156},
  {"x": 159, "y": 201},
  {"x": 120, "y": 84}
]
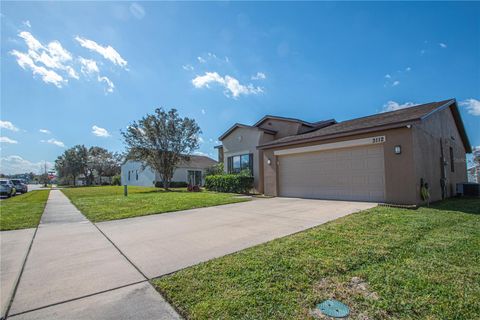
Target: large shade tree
[{"x": 161, "y": 140}]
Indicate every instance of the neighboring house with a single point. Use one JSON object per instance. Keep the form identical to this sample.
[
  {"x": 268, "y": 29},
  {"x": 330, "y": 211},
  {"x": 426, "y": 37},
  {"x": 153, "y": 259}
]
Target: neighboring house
[
  {"x": 190, "y": 172},
  {"x": 379, "y": 158}
]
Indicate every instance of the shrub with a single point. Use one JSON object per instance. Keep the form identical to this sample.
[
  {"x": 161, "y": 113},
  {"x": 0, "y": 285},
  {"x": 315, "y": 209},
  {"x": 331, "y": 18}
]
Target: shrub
[
  {"x": 116, "y": 181},
  {"x": 234, "y": 183},
  {"x": 216, "y": 169},
  {"x": 173, "y": 184}
]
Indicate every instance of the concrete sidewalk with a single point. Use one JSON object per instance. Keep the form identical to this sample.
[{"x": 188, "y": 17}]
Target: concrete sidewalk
[
  {"x": 74, "y": 272},
  {"x": 14, "y": 246}
]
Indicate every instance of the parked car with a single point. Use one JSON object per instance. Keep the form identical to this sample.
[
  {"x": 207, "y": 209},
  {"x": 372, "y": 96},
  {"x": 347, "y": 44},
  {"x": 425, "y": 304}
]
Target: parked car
[
  {"x": 20, "y": 185},
  {"x": 7, "y": 188}
]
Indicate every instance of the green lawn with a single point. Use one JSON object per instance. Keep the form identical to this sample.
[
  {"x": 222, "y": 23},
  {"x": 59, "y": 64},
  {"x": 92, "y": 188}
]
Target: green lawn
[
  {"x": 385, "y": 263},
  {"x": 22, "y": 211},
  {"x": 109, "y": 203}
]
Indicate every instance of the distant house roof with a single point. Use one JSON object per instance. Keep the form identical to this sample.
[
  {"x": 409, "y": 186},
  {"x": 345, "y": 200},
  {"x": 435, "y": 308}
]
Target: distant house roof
[
  {"x": 197, "y": 162},
  {"x": 240, "y": 125},
  {"x": 381, "y": 121}
]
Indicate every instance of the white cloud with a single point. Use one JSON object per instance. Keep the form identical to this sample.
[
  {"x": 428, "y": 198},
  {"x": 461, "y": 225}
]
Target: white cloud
[
  {"x": 54, "y": 142},
  {"x": 387, "y": 76},
  {"x": 201, "y": 60},
  {"x": 201, "y": 140},
  {"x": 88, "y": 66},
  {"x": 187, "y": 67},
  {"x": 30, "y": 40},
  {"x": 48, "y": 76},
  {"x": 137, "y": 10},
  {"x": 15, "y": 164},
  {"x": 53, "y": 56},
  {"x": 443, "y": 45},
  {"x": 107, "y": 52},
  {"x": 100, "y": 132},
  {"x": 203, "y": 111},
  {"x": 27, "y": 23},
  {"x": 472, "y": 105},
  {"x": 232, "y": 86},
  {"x": 408, "y": 69},
  {"x": 46, "y": 131},
  {"x": 8, "y": 125},
  {"x": 108, "y": 82},
  {"x": 259, "y": 76},
  {"x": 393, "y": 105},
  {"x": 395, "y": 83},
  {"x": 8, "y": 140}
]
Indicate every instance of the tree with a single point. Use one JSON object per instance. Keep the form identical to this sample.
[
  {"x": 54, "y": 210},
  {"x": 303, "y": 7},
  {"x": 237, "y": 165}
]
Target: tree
[
  {"x": 161, "y": 140},
  {"x": 102, "y": 163},
  {"x": 72, "y": 163}
]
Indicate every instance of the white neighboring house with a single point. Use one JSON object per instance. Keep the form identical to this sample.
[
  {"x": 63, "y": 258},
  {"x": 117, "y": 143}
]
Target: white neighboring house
[{"x": 191, "y": 172}]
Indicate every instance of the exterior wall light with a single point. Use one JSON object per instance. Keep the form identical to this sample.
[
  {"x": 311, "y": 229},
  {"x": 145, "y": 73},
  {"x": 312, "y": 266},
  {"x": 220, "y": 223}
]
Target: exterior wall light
[
  {"x": 397, "y": 149},
  {"x": 269, "y": 161}
]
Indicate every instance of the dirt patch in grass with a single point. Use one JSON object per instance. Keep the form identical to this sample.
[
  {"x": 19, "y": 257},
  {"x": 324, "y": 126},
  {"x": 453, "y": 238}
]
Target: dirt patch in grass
[{"x": 355, "y": 293}]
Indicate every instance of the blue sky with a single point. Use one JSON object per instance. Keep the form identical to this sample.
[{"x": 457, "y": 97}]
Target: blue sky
[{"x": 81, "y": 72}]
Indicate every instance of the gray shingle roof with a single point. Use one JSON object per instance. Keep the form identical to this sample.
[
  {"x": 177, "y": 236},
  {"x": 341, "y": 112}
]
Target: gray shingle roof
[
  {"x": 369, "y": 122},
  {"x": 198, "y": 162}
]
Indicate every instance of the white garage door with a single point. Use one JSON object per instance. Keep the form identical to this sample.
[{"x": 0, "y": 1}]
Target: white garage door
[{"x": 344, "y": 174}]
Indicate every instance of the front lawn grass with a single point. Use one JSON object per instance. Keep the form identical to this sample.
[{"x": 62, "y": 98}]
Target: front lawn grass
[
  {"x": 385, "y": 263},
  {"x": 109, "y": 203},
  {"x": 23, "y": 211}
]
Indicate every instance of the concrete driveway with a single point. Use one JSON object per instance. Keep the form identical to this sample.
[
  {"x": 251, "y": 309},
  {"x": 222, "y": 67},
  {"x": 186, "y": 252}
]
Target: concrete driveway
[
  {"x": 74, "y": 269},
  {"x": 161, "y": 244}
]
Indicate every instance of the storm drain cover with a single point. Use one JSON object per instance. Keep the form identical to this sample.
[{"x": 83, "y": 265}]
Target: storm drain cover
[{"x": 333, "y": 308}]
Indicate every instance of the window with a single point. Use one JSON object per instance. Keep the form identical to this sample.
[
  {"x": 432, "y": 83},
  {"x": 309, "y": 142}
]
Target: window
[
  {"x": 236, "y": 164},
  {"x": 452, "y": 163},
  {"x": 136, "y": 174},
  {"x": 128, "y": 175}
]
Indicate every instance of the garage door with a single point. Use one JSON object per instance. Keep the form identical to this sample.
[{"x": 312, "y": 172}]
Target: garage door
[{"x": 344, "y": 174}]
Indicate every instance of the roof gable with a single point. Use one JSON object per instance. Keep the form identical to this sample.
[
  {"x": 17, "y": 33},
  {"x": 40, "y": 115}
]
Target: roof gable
[{"x": 240, "y": 125}]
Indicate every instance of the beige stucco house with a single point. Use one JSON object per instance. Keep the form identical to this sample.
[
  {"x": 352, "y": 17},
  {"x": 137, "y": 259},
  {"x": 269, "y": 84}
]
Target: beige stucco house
[{"x": 381, "y": 158}]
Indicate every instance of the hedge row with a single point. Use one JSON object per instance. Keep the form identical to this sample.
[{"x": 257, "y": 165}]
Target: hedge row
[
  {"x": 229, "y": 183},
  {"x": 173, "y": 184}
]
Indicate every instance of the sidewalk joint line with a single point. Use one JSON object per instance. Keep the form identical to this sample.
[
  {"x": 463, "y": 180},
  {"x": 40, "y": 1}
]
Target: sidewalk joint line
[{"x": 79, "y": 298}]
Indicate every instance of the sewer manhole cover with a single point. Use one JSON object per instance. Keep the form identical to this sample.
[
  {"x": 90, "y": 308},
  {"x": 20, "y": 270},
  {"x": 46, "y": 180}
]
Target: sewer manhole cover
[{"x": 333, "y": 308}]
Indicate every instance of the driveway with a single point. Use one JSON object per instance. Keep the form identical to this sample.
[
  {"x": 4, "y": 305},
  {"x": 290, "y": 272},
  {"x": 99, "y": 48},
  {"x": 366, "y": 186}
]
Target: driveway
[
  {"x": 161, "y": 244},
  {"x": 78, "y": 270}
]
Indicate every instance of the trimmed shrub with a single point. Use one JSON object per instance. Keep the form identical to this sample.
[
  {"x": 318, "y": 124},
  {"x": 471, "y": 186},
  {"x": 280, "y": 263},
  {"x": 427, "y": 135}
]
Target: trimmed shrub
[
  {"x": 173, "y": 184},
  {"x": 116, "y": 180},
  {"x": 233, "y": 183}
]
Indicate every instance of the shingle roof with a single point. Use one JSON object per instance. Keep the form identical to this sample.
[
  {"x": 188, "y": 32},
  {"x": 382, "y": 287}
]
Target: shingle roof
[
  {"x": 306, "y": 123},
  {"x": 199, "y": 162},
  {"x": 240, "y": 125},
  {"x": 379, "y": 121}
]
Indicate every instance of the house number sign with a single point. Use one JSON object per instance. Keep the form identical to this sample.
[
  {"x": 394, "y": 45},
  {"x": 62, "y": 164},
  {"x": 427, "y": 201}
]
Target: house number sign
[{"x": 379, "y": 139}]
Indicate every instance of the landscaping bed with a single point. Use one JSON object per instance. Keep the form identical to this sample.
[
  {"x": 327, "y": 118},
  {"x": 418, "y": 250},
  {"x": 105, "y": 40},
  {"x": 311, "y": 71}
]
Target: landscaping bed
[
  {"x": 383, "y": 263},
  {"x": 23, "y": 211},
  {"x": 109, "y": 203}
]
